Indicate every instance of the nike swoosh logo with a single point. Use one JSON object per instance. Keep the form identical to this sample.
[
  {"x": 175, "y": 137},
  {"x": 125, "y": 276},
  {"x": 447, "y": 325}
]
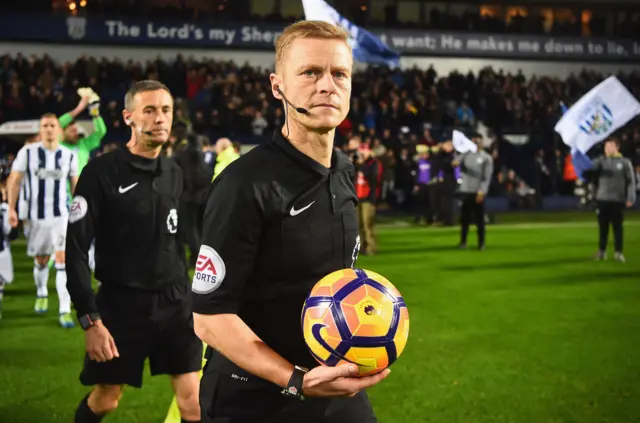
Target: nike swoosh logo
[
  {"x": 125, "y": 189},
  {"x": 295, "y": 212}
]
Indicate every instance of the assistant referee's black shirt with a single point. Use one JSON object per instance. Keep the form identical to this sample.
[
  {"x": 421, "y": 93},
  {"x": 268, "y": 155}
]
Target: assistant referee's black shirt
[
  {"x": 129, "y": 205},
  {"x": 276, "y": 222}
]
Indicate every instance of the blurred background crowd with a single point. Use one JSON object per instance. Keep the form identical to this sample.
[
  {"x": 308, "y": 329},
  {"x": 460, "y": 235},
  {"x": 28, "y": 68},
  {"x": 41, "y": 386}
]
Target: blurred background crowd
[{"x": 398, "y": 113}]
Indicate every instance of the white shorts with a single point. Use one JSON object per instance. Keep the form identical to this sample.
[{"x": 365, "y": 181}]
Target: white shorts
[
  {"x": 47, "y": 236},
  {"x": 26, "y": 228},
  {"x": 23, "y": 209},
  {"x": 6, "y": 264}
]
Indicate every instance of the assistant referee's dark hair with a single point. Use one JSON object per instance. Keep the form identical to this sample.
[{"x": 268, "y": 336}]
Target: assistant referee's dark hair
[
  {"x": 141, "y": 87},
  {"x": 614, "y": 139}
]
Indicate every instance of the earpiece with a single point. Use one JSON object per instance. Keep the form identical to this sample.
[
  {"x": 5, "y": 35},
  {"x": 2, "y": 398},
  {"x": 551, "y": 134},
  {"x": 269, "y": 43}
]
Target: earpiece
[{"x": 301, "y": 110}]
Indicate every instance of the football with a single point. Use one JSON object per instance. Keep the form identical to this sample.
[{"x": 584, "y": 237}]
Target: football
[{"x": 355, "y": 316}]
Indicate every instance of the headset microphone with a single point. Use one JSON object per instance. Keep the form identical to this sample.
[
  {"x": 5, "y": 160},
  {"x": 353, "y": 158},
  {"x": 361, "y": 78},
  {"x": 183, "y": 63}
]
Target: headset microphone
[
  {"x": 297, "y": 109},
  {"x": 140, "y": 131}
]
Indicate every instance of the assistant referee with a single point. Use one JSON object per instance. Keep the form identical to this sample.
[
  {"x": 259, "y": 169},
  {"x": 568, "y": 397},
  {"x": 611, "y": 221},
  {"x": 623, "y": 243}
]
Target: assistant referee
[
  {"x": 615, "y": 190},
  {"x": 476, "y": 170},
  {"x": 128, "y": 200},
  {"x": 277, "y": 220}
]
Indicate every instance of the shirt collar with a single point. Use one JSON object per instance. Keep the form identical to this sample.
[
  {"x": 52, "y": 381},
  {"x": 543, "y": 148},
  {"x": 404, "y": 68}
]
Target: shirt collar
[
  {"x": 144, "y": 163},
  {"x": 338, "y": 161}
]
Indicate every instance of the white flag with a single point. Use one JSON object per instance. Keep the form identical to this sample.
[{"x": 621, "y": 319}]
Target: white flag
[
  {"x": 599, "y": 113},
  {"x": 462, "y": 144}
]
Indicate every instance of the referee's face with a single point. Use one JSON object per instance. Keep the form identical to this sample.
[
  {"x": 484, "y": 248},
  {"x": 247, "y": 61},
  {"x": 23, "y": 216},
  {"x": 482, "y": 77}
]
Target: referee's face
[
  {"x": 153, "y": 115},
  {"x": 316, "y": 75}
]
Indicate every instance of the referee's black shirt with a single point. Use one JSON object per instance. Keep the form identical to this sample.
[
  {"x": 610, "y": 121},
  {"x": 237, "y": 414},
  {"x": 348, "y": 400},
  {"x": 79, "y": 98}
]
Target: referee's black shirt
[
  {"x": 129, "y": 204},
  {"x": 276, "y": 222}
]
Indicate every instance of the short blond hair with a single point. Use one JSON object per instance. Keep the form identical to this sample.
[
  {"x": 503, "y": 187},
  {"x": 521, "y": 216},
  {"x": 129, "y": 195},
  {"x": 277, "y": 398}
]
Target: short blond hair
[
  {"x": 49, "y": 116},
  {"x": 307, "y": 29}
]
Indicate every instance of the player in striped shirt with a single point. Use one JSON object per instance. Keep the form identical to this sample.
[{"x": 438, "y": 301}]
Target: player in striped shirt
[
  {"x": 6, "y": 261},
  {"x": 46, "y": 166},
  {"x": 23, "y": 199}
]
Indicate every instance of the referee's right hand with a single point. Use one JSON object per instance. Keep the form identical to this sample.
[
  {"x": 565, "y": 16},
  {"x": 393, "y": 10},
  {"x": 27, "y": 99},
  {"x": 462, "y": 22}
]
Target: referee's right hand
[
  {"x": 339, "y": 381},
  {"x": 100, "y": 344}
]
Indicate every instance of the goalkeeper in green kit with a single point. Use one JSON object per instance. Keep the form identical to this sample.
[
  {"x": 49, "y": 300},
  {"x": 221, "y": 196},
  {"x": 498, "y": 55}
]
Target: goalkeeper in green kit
[{"x": 83, "y": 146}]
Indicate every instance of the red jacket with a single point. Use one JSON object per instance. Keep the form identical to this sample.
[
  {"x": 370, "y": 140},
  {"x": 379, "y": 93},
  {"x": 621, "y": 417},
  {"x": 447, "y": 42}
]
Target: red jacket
[{"x": 369, "y": 181}]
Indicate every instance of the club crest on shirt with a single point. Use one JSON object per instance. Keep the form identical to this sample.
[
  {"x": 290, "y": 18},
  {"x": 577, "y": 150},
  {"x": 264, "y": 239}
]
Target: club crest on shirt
[
  {"x": 78, "y": 209},
  {"x": 356, "y": 251},
  {"x": 210, "y": 271},
  {"x": 172, "y": 221}
]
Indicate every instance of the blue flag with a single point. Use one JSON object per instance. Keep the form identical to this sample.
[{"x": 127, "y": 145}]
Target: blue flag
[
  {"x": 581, "y": 162},
  {"x": 367, "y": 47}
]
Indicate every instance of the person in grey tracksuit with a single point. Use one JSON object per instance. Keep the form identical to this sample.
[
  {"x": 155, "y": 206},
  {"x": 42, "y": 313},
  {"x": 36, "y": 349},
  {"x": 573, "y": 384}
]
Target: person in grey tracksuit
[
  {"x": 476, "y": 171},
  {"x": 615, "y": 190}
]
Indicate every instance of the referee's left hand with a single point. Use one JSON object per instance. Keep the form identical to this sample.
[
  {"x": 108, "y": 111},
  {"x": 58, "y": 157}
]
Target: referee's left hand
[
  {"x": 339, "y": 381},
  {"x": 629, "y": 204}
]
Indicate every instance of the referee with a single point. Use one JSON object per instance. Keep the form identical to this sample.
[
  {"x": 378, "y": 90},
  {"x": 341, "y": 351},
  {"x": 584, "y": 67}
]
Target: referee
[
  {"x": 476, "y": 171},
  {"x": 615, "y": 190},
  {"x": 128, "y": 200},
  {"x": 277, "y": 220}
]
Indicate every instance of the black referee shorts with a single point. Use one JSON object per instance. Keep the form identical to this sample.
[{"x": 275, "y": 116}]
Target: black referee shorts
[
  {"x": 234, "y": 396},
  {"x": 145, "y": 324}
]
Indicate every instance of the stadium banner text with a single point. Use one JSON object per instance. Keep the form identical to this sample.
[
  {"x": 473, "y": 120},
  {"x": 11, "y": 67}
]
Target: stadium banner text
[{"x": 90, "y": 30}]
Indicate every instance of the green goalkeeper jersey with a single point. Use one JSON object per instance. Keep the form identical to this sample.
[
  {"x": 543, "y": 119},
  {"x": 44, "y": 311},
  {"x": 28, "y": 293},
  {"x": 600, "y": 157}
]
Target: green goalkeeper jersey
[{"x": 84, "y": 146}]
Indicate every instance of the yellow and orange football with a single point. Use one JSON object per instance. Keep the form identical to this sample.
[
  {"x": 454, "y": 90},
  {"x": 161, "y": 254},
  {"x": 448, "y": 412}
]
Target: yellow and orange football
[{"x": 355, "y": 316}]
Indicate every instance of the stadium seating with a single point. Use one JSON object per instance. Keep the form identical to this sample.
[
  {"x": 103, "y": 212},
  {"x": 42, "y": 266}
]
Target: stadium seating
[{"x": 400, "y": 108}]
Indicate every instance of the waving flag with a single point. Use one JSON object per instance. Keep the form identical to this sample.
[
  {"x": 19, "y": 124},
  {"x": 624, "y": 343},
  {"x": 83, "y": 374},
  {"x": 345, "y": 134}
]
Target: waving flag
[
  {"x": 367, "y": 48},
  {"x": 462, "y": 144},
  {"x": 599, "y": 113},
  {"x": 580, "y": 161}
]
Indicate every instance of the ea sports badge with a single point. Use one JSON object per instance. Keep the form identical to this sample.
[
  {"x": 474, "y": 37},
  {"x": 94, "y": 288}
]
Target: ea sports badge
[
  {"x": 78, "y": 209},
  {"x": 210, "y": 271}
]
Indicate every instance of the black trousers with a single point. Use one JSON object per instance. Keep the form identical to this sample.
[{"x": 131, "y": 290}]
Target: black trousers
[
  {"x": 425, "y": 203},
  {"x": 472, "y": 211},
  {"x": 446, "y": 198},
  {"x": 229, "y": 394},
  {"x": 610, "y": 214}
]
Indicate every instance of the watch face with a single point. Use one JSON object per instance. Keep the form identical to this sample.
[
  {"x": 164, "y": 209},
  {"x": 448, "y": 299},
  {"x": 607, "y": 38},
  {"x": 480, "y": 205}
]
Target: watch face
[{"x": 85, "y": 322}]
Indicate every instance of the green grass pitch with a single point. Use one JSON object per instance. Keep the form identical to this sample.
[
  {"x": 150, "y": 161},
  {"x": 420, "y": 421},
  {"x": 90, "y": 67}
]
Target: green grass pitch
[{"x": 528, "y": 331}]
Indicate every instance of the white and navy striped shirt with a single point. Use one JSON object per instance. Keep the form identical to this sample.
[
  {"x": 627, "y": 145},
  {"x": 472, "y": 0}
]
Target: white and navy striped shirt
[
  {"x": 46, "y": 173},
  {"x": 22, "y": 206}
]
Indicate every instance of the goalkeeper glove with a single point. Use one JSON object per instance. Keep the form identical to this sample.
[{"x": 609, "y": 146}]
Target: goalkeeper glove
[{"x": 94, "y": 104}]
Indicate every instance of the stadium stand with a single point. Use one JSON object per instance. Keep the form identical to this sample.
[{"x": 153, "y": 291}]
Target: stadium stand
[{"x": 392, "y": 110}]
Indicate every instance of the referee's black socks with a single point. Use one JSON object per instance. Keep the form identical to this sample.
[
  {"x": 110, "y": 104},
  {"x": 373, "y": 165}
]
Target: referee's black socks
[
  {"x": 190, "y": 421},
  {"x": 84, "y": 414}
]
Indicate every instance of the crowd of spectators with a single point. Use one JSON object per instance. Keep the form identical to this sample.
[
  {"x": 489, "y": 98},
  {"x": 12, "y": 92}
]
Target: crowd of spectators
[{"x": 393, "y": 111}]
